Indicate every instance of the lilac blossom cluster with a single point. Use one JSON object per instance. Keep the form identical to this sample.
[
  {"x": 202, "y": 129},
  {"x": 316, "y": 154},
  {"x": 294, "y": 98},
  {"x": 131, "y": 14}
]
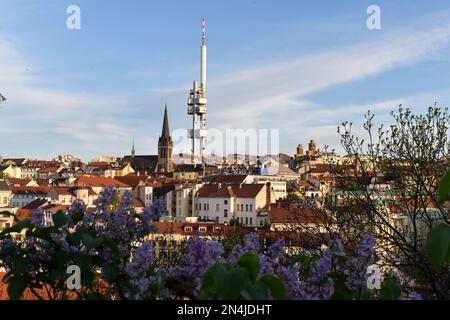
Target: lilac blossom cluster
[{"x": 115, "y": 219}]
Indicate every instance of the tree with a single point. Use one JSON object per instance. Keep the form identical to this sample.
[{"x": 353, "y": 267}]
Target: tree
[{"x": 394, "y": 177}]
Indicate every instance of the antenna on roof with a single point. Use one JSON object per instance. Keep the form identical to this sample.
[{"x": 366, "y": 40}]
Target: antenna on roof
[{"x": 2, "y": 98}]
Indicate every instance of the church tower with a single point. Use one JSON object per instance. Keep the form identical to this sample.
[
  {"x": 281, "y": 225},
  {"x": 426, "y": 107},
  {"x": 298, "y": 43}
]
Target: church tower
[{"x": 165, "y": 146}]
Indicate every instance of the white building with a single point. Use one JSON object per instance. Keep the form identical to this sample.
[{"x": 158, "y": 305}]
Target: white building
[
  {"x": 222, "y": 203},
  {"x": 179, "y": 202},
  {"x": 5, "y": 194},
  {"x": 22, "y": 196},
  {"x": 67, "y": 195}
]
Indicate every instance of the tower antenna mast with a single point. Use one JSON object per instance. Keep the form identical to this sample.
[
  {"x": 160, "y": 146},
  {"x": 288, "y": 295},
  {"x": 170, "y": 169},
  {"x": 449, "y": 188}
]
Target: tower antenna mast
[{"x": 197, "y": 103}]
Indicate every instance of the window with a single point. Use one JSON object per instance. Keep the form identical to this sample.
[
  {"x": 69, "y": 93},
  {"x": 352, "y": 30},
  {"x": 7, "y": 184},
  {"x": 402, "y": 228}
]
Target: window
[
  {"x": 217, "y": 207},
  {"x": 202, "y": 229},
  {"x": 246, "y": 207},
  {"x": 204, "y": 206},
  {"x": 242, "y": 207},
  {"x": 217, "y": 219},
  {"x": 187, "y": 229},
  {"x": 225, "y": 201},
  {"x": 251, "y": 207},
  {"x": 251, "y": 221},
  {"x": 225, "y": 213},
  {"x": 246, "y": 220}
]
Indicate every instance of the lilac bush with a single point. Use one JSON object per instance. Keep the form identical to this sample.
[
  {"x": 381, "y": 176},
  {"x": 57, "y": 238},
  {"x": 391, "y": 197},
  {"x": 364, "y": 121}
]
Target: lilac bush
[{"x": 111, "y": 242}]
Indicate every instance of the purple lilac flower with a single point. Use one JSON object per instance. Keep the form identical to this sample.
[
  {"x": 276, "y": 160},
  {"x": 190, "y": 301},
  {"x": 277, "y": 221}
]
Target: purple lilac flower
[
  {"x": 320, "y": 268},
  {"x": 37, "y": 217},
  {"x": 105, "y": 199},
  {"x": 336, "y": 247},
  {"x": 200, "y": 256},
  {"x": 142, "y": 259},
  {"x": 77, "y": 206},
  {"x": 290, "y": 276},
  {"x": 276, "y": 250},
  {"x": 235, "y": 254},
  {"x": 266, "y": 265},
  {"x": 127, "y": 200},
  {"x": 309, "y": 290},
  {"x": 252, "y": 243},
  {"x": 413, "y": 296},
  {"x": 364, "y": 256}
]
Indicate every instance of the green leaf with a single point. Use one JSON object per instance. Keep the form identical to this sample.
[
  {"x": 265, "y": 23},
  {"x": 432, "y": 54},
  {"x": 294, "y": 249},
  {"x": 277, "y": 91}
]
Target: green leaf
[
  {"x": 113, "y": 246},
  {"x": 77, "y": 216},
  {"x": 230, "y": 284},
  {"x": 257, "y": 291},
  {"x": 275, "y": 285},
  {"x": 444, "y": 188},
  {"x": 438, "y": 245},
  {"x": 222, "y": 282},
  {"x": 390, "y": 291},
  {"x": 90, "y": 242},
  {"x": 110, "y": 272},
  {"x": 19, "y": 263},
  {"x": 341, "y": 292},
  {"x": 251, "y": 263},
  {"x": 59, "y": 219},
  {"x": 207, "y": 289},
  {"x": 17, "y": 285}
]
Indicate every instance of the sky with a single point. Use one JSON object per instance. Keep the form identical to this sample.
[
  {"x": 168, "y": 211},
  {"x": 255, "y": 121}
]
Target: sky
[{"x": 300, "y": 67}]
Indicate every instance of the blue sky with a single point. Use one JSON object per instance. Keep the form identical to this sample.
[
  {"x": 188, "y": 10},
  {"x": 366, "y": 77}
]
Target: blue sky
[{"x": 301, "y": 67}]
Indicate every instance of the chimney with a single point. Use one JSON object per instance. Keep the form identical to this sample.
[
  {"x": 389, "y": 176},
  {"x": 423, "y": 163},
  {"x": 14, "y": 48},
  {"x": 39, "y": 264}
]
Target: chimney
[{"x": 268, "y": 192}]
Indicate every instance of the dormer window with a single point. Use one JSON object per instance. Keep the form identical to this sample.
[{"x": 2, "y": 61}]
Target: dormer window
[
  {"x": 202, "y": 229},
  {"x": 187, "y": 229}
]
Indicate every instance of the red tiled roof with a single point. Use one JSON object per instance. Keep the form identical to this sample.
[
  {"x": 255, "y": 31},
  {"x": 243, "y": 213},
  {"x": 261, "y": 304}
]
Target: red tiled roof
[
  {"x": 132, "y": 180},
  {"x": 241, "y": 191},
  {"x": 42, "y": 182},
  {"x": 299, "y": 215},
  {"x": 138, "y": 203},
  {"x": 98, "y": 181},
  {"x": 18, "y": 181},
  {"x": 71, "y": 190},
  {"x": 49, "y": 169},
  {"x": 99, "y": 164},
  {"x": 225, "y": 178},
  {"x": 29, "y": 190}
]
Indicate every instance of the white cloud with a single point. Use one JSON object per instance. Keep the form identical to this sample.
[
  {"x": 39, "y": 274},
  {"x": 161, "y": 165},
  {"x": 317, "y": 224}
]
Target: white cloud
[{"x": 246, "y": 98}]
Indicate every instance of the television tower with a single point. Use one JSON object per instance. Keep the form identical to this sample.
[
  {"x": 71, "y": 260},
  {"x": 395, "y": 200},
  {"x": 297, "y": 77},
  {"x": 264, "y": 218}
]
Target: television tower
[{"x": 197, "y": 104}]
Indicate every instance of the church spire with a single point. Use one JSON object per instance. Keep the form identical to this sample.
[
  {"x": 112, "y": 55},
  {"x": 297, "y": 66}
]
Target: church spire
[
  {"x": 165, "y": 129},
  {"x": 133, "y": 152},
  {"x": 165, "y": 146}
]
